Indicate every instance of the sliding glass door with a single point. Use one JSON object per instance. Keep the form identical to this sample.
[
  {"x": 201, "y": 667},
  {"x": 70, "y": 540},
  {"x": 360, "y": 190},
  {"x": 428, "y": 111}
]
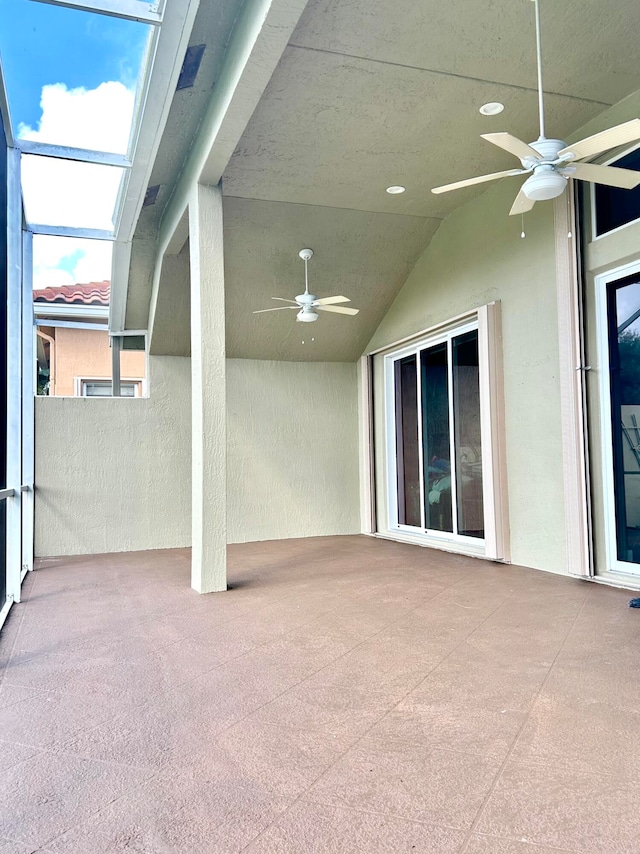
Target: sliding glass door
[{"x": 436, "y": 471}]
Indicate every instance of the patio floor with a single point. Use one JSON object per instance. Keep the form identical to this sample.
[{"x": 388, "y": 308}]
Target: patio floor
[{"x": 346, "y": 695}]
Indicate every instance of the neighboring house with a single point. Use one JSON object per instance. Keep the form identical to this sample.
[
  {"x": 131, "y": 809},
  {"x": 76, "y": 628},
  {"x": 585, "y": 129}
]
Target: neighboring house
[{"x": 73, "y": 349}]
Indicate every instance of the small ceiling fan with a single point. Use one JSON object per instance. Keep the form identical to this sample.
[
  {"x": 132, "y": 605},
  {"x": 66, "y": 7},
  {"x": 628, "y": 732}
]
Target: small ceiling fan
[
  {"x": 307, "y": 305},
  {"x": 551, "y": 162}
]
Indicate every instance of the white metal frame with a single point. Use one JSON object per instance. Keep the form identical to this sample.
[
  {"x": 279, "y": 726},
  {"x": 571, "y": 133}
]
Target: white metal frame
[
  {"x": 602, "y": 333},
  {"x": 130, "y": 10},
  {"x": 14, "y": 374},
  {"x": 495, "y": 545},
  {"x": 429, "y": 535},
  {"x": 27, "y": 486}
]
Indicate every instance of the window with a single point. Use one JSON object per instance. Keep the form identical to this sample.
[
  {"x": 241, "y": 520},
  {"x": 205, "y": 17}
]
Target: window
[
  {"x": 615, "y": 207},
  {"x": 102, "y": 388},
  {"x": 444, "y": 448}
]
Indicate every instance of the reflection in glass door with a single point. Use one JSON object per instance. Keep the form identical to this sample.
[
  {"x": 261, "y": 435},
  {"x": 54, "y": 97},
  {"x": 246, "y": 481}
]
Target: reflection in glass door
[
  {"x": 439, "y": 479},
  {"x": 623, "y": 324}
]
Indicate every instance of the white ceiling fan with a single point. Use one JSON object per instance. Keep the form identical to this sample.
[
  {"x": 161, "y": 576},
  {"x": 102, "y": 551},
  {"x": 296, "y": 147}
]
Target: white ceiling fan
[
  {"x": 551, "y": 162},
  {"x": 308, "y": 305}
]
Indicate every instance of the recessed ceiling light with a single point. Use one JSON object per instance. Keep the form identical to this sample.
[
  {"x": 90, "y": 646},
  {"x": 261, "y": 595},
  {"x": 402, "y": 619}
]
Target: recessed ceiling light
[
  {"x": 492, "y": 108},
  {"x": 395, "y": 190}
]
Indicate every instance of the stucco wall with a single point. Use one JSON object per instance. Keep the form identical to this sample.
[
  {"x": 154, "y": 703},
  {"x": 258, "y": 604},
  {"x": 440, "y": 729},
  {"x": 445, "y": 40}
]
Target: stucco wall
[
  {"x": 292, "y": 442},
  {"x": 114, "y": 474},
  {"x": 477, "y": 256}
]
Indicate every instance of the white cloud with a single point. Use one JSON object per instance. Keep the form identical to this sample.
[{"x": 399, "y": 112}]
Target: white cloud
[
  {"x": 62, "y": 192},
  {"x": 99, "y": 119},
  {"x": 67, "y": 261}
]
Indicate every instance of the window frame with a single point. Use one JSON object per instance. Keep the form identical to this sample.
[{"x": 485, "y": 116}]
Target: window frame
[
  {"x": 607, "y": 161},
  {"x": 495, "y": 545},
  {"x": 80, "y": 383}
]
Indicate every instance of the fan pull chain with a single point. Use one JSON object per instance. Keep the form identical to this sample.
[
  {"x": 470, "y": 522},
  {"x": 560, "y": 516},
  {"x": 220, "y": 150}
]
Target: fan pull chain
[
  {"x": 522, "y": 234},
  {"x": 569, "y": 233}
]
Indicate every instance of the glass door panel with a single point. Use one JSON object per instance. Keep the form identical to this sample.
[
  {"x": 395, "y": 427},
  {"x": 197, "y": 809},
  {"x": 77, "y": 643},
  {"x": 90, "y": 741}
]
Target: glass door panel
[
  {"x": 407, "y": 452},
  {"x": 436, "y": 441},
  {"x": 466, "y": 417},
  {"x": 623, "y": 310}
]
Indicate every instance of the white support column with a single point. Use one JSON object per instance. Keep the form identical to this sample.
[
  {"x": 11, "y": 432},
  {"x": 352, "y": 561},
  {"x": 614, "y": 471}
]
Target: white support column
[
  {"x": 28, "y": 402},
  {"x": 208, "y": 390},
  {"x": 14, "y": 373}
]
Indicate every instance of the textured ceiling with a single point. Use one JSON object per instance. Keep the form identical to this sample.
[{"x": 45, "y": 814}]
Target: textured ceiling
[{"x": 377, "y": 92}]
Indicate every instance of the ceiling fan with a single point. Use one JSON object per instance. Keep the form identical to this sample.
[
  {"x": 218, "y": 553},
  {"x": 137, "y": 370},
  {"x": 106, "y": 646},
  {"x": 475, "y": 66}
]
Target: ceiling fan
[
  {"x": 308, "y": 305},
  {"x": 551, "y": 162}
]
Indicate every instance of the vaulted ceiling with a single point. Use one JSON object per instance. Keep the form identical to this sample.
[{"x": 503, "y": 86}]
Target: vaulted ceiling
[{"x": 367, "y": 94}]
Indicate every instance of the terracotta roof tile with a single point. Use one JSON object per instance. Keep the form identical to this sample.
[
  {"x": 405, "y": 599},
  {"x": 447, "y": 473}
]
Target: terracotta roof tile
[{"x": 91, "y": 293}]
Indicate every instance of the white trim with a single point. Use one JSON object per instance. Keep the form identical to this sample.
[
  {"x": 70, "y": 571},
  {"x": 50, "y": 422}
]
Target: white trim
[
  {"x": 70, "y": 231},
  {"x": 58, "y": 309},
  {"x": 66, "y": 152},
  {"x": 450, "y": 541},
  {"x": 428, "y": 332},
  {"x": 28, "y": 404},
  {"x": 14, "y": 367},
  {"x": 129, "y": 10},
  {"x": 71, "y": 324},
  {"x": 365, "y": 422},
  {"x": 575, "y": 468},
  {"x": 602, "y": 335}
]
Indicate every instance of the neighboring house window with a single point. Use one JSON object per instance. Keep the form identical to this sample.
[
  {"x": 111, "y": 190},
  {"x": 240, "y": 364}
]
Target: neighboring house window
[
  {"x": 614, "y": 207},
  {"x": 102, "y": 388}
]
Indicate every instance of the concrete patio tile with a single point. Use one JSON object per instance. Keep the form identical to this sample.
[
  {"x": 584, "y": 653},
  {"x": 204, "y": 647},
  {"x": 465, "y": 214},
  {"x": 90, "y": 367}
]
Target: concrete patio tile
[
  {"x": 453, "y": 727},
  {"x": 408, "y": 781},
  {"x": 318, "y": 829},
  {"x": 46, "y": 795},
  {"x": 12, "y": 694},
  {"x": 586, "y": 736},
  {"x": 12, "y": 754},
  {"x": 562, "y": 808},
  {"x": 283, "y": 762},
  {"x": 48, "y": 720},
  {"x": 192, "y": 811},
  {"x": 479, "y": 844}
]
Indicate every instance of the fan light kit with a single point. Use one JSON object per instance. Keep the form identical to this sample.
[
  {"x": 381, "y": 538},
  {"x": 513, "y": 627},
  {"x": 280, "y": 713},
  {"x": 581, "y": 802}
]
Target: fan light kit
[
  {"x": 396, "y": 190},
  {"x": 551, "y": 162},
  {"x": 308, "y": 305}
]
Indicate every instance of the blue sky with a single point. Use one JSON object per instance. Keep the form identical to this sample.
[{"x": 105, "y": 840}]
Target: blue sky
[
  {"x": 42, "y": 44},
  {"x": 71, "y": 78}
]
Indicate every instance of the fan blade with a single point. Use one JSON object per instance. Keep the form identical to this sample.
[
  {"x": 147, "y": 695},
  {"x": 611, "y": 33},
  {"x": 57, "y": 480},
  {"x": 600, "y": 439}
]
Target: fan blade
[
  {"x": 627, "y": 179},
  {"x": 280, "y": 308},
  {"x": 338, "y": 309},
  {"x": 521, "y": 205},
  {"x": 330, "y": 300},
  {"x": 512, "y": 144},
  {"x": 603, "y": 141},
  {"x": 480, "y": 180},
  {"x": 282, "y": 299}
]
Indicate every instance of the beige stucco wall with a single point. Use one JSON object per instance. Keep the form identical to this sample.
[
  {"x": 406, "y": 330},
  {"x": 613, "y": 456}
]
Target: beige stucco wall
[
  {"x": 476, "y": 257},
  {"x": 86, "y": 353},
  {"x": 292, "y": 449},
  {"x": 115, "y": 474}
]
